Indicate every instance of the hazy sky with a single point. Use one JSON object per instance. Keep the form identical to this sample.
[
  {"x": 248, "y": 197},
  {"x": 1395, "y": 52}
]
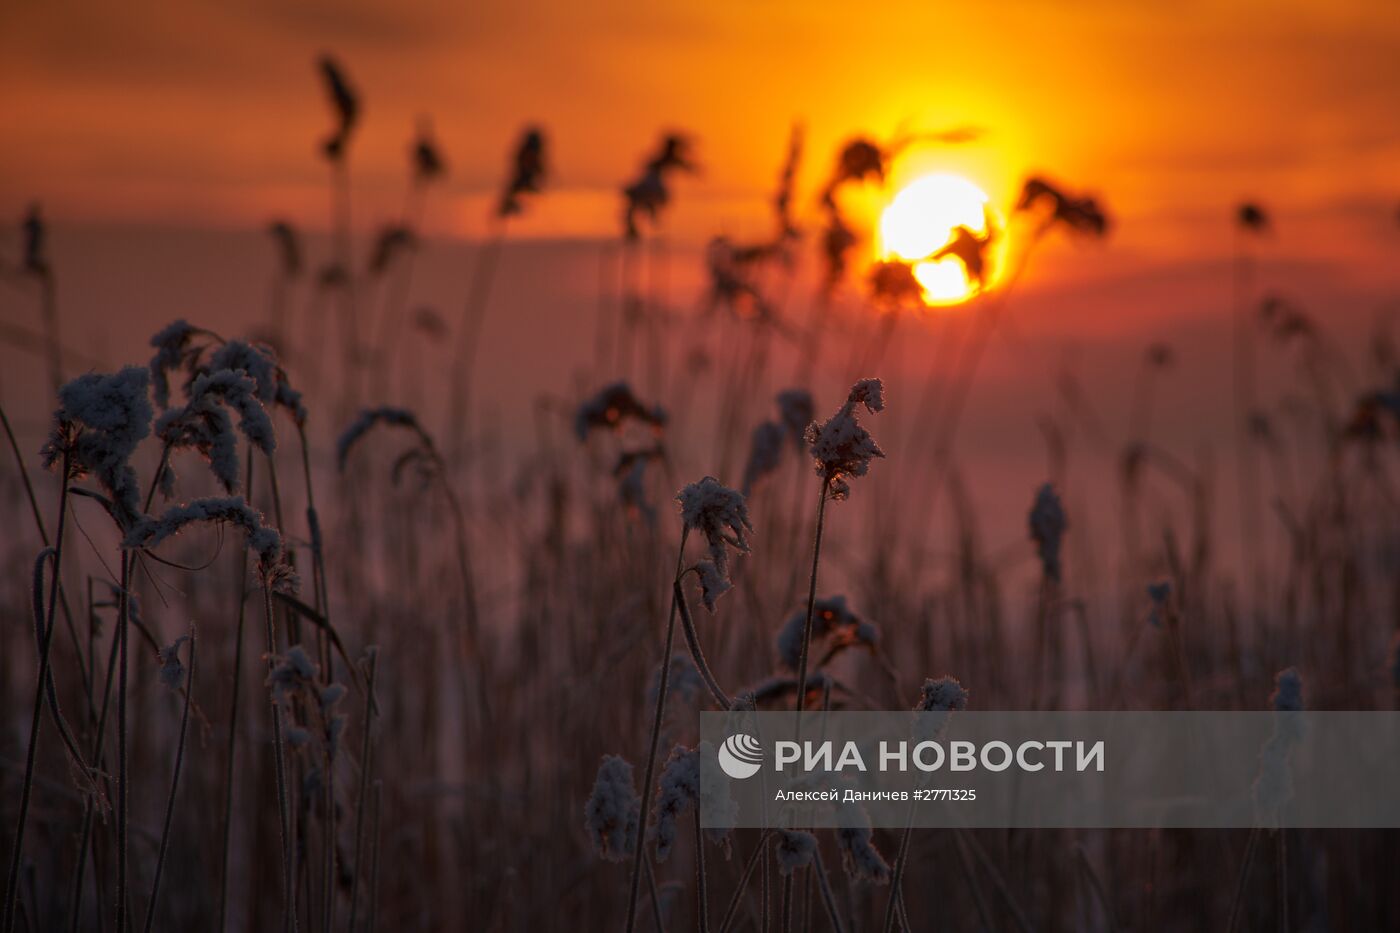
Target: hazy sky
[{"x": 196, "y": 113}]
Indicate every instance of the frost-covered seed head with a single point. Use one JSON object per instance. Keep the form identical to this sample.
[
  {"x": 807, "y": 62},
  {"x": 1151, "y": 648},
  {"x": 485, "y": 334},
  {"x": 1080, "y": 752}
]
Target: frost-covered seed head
[
  {"x": 172, "y": 672},
  {"x": 330, "y": 696},
  {"x": 937, "y": 699},
  {"x": 683, "y": 682},
  {"x": 172, "y": 344},
  {"x": 677, "y": 789},
  {"x": 796, "y": 410},
  {"x": 208, "y": 430},
  {"x": 240, "y": 392},
  {"x": 613, "y": 405},
  {"x": 794, "y": 849},
  {"x": 1288, "y": 691},
  {"x": 100, "y": 422},
  {"x": 834, "y": 622},
  {"x": 292, "y": 672},
  {"x": 257, "y": 362},
  {"x": 1273, "y": 787},
  {"x": 1047, "y": 527},
  {"x": 714, "y": 583},
  {"x": 149, "y": 532},
  {"x": 1158, "y": 594},
  {"x": 367, "y": 419},
  {"x": 613, "y": 811},
  {"x": 765, "y": 453},
  {"x": 944, "y": 694},
  {"x": 681, "y": 787},
  {"x": 841, "y": 446},
  {"x": 855, "y": 839},
  {"x": 718, "y": 513}
]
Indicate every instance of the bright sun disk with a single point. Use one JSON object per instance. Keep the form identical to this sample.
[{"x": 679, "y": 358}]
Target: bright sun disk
[{"x": 921, "y": 220}]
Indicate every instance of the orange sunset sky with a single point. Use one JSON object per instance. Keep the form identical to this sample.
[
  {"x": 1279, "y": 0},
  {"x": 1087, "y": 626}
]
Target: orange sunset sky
[
  {"x": 207, "y": 115},
  {"x": 162, "y": 137}
]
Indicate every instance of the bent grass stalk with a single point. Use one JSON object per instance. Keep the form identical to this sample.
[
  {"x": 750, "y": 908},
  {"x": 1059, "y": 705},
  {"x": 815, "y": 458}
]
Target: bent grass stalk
[{"x": 692, "y": 640}]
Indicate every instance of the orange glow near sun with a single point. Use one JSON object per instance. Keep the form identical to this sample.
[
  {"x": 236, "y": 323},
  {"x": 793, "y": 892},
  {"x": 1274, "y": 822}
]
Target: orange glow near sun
[{"x": 923, "y": 218}]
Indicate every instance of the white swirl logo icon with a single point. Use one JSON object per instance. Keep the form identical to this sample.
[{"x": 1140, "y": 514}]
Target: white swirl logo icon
[{"x": 740, "y": 756}]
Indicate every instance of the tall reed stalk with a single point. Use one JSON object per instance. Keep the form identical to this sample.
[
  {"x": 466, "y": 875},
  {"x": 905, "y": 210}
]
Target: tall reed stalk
[
  {"x": 230, "y": 761},
  {"x": 284, "y": 823},
  {"x": 44, "y": 619},
  {"x": 174, "y": 786},
  {"x": 650, "y": 771}
]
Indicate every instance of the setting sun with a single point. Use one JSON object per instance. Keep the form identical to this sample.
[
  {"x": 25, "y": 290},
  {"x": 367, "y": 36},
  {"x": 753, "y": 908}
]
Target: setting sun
[{"x": 922, "y": 226}]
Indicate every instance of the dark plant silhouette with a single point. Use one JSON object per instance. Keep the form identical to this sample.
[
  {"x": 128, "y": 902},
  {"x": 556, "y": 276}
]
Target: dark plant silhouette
[
  {"x": 345, "y": 103},
  {"x": 528, "y": 172},
  {"x": 649, "y": 194}
]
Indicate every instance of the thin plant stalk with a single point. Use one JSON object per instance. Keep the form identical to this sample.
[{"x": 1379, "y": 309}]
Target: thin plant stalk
[
  {"x": 655, "y": 897},
  {"x": 45, "y": 620},
  {"x": 469, "y": 337},
  {"x": 174, "y": 786},
  {"x": 692, "y": 640},
  {"x": 227, "y": 831},
  {"x": 366, "y": 750},
  {"x": 997, "y": 880},
  {"x": 123, "y": 617},
  {"x": 828, "y": 899},
  {"x": 732, "y": 910},
  {"x": 650, "y": 770},
  {"x": 900, "y": 860},
  {"x": 374, "y": 858},
  {"x": 1245, "y": 866},
  {"x": 26, "y": 788},
  {"x": 1098, "y": 889},
  {"x": 279, "y": 766},
  {"x": 48, "y": 308},
  {"x": 811, "y": 602},
  {"x": 702, "y": 900},
  {"x": 85, "y": 835}
]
